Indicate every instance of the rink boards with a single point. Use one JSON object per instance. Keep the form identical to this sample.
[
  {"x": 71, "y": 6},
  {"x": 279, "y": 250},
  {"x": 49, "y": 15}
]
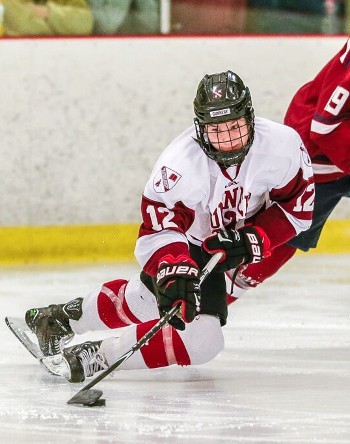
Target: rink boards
[
  {"x": 78, "y": 149},
  {"x": 115, "y": 242}
]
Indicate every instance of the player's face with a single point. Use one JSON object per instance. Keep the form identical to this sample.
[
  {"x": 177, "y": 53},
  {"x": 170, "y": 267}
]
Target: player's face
[{"x": 228, "y": 136}]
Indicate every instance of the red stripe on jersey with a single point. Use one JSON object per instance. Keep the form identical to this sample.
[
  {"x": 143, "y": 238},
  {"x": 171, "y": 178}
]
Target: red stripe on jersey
[
  {"x": 175, "y": 249},
  {"x": 322, "y": 178},
  {"x": 297, "y": 199},
  {"x": 165, "y": 348},
  {"x": 112, "y": 306},
  {"x": 276, "y": 225},
  {"x": 293, "y": 197},
  {"x": 260, "y": 271},
  {"x": 157, "y": 217}
]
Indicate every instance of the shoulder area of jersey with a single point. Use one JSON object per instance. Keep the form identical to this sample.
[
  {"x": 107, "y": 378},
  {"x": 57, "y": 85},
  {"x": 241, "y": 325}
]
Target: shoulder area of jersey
[
  {"x": 184, "y": 149},
  {"x": 182, "y": 166},
  {"x": 274, "y": 133}
]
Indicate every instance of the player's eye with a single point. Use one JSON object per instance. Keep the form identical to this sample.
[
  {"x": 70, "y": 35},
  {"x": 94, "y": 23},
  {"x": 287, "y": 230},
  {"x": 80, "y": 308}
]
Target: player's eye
[
  {"x": 213, "y": 129},
  {"x": 235, "y": 126}
]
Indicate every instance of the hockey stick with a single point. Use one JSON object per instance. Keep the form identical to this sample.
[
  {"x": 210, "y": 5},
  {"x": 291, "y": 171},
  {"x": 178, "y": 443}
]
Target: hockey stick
[{"x": 91, "y": 398}]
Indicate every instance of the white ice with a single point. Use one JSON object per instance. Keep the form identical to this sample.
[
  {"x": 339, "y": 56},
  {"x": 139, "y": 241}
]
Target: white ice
[{"x": 284, "y": 376}]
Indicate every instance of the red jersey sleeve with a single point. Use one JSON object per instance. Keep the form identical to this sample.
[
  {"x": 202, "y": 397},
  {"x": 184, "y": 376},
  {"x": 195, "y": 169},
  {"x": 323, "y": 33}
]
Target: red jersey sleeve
[
  {"x": 291, "y": 211},
  {"x": 330, "y": 126},
  {"x": 320, "y": 112},
  {"x": 162, "y": 232}
]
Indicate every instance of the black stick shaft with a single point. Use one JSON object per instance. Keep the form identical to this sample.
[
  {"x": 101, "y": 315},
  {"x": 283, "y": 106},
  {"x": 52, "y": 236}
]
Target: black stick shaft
[
  {"x": 152, "y": 332},
  {"x": 139, "y": 344}
]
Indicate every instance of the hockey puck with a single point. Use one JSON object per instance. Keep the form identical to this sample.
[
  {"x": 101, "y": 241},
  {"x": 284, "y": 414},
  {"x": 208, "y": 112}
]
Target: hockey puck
[{"x": 98, "y": 403}]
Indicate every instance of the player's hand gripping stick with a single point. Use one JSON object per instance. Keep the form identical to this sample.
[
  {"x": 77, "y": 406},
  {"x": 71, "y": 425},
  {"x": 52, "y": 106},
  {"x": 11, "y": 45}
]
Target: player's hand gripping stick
[{"x": 239, "y": 247}]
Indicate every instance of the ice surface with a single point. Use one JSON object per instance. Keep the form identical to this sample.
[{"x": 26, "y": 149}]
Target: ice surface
[{"x": 284, "y": 376}]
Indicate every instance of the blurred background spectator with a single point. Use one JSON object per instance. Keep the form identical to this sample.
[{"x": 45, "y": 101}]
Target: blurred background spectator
[
  {"x": 258, "y": 16},
  {"x": 125, "y": 16},
  {"x": 2, "y": 31},
  {"x": 347, "y": 16},
  {"x": 108, "y": 14},
  {"x": 143, "y": 18},
  {"x": 206, "y": 17},
  {"x": 41, "y": 17}
]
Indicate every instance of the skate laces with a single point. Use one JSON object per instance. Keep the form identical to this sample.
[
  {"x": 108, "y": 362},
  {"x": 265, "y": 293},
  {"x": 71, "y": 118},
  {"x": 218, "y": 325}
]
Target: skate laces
[
  {"x": 58, "y": 343},
  {"x": 91, "y": 360}
]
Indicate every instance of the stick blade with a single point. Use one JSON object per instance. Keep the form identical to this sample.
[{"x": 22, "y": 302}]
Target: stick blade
[{"x": 88, "y": 397}]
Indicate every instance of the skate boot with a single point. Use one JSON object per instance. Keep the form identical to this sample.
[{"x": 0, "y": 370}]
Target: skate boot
[
  {"x": 51, "y": 324},
  {"x": 83, "y": 360}
]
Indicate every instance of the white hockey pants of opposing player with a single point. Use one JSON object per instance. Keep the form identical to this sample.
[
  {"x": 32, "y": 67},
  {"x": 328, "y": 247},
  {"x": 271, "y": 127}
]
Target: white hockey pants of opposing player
[{"x": 131, "y": 307}]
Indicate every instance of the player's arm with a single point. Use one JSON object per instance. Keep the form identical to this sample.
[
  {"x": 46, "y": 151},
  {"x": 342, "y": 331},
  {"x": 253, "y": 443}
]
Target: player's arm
[
  {"x": 330, "y": 126},
  {"x": 289, "y": 212},
  {"x": 169, "y": 203},
  {"x": 292, "y": 205},
  {"x": 163, "y": 251},
  {"x": 162, "y": 232}
]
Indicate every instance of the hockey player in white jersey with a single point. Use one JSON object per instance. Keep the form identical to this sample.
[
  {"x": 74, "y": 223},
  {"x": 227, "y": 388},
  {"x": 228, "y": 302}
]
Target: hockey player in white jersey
[{"x": 232, "y": 183}]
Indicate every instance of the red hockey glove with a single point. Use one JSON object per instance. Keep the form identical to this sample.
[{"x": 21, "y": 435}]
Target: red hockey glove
[
  {"x": 178, "y": 281},
  {"x": 244, "y": 246}
]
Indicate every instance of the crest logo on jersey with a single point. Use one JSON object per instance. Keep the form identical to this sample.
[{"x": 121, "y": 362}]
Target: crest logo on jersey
[
  {"x": 220, "y": 112},
  {"x": 165, "y": 180}
]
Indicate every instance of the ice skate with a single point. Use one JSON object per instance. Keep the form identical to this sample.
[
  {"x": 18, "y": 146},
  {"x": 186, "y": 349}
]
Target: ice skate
[
  {"x": 83, "y": 360},
  {"x": 51, "y": 325}
]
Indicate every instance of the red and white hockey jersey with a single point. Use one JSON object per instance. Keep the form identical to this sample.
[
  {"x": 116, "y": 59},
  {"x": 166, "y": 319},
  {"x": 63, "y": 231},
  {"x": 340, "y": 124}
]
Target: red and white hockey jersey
[
  {"x": 320, "y": 112},
  {"x": 188, "y": 196}
]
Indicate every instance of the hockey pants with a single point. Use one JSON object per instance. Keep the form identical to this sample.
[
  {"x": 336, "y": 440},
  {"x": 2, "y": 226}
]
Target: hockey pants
[{"x": 130, "y": 310}]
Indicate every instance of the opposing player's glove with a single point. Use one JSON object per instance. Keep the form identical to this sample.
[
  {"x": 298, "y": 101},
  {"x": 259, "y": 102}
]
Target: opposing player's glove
[
  {"x": 244, "y": 246},
  {"x": 178, "y": 281}
]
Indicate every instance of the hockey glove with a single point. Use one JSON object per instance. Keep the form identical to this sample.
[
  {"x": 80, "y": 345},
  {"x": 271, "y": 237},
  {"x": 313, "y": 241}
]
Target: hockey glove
[
  {"x": 178, "y": 281},
  {"x": 244, "y": 246}
]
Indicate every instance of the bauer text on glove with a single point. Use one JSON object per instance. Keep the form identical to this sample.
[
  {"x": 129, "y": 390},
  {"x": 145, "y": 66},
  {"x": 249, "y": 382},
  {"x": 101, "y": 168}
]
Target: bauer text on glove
[
  {"x": 178, "y": 282},
  {"x": 244, "y": 246}
]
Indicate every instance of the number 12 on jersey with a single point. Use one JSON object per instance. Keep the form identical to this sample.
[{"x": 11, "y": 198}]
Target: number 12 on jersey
[
  {"x": 161, "y": 217},
  {"x": 305, "y": 202}
]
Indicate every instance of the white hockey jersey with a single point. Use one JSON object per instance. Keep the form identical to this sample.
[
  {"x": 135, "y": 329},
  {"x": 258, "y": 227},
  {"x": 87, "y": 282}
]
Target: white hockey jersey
[{"x": 189, "y": 197}]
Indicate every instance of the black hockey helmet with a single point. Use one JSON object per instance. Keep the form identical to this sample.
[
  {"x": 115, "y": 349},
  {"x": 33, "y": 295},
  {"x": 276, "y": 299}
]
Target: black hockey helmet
[{"x": 220, "y": 98}]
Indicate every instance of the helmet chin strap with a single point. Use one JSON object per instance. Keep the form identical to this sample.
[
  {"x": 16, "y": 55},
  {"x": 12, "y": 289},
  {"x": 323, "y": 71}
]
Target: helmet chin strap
[{"x": 226, "y": 160}]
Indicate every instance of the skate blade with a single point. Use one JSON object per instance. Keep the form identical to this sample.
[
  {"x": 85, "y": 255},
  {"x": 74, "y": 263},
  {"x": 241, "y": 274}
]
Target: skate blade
[{"x": 28, "y": 339}]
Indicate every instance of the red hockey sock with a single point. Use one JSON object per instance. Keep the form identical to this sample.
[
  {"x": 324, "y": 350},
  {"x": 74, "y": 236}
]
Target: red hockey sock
[
  {"x": 165, "y": 348},
  {"x": 112, "y": 306}
]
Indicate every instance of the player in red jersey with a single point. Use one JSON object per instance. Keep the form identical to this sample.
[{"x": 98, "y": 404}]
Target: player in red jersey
[{"x": 320, "y": 113}]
